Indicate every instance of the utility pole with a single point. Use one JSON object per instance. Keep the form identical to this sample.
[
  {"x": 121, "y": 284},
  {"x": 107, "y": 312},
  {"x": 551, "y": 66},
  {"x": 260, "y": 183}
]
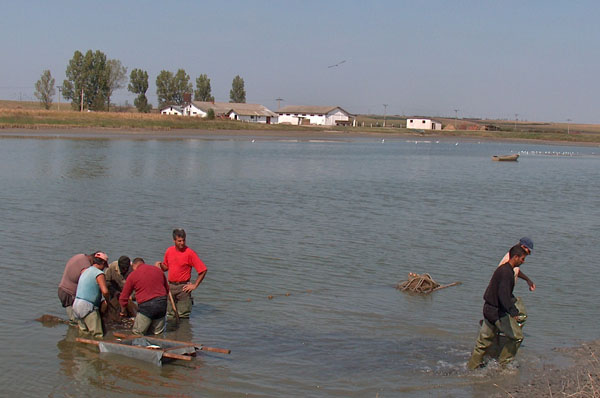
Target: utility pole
[
  {"x": 456, "y": 118},
  {"x": 516, "y": 118},
  {"x": 81, "y": 107},
  {"x": 568, "y": 126},
  {"x": 384, "y": 113},
  {"x": 278, "y": 102},
  {"x": 59, "y": 95}
]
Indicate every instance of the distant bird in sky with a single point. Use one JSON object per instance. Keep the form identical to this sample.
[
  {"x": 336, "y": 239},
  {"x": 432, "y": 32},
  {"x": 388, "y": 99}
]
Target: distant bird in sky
[{"x": 338, "y": 64}]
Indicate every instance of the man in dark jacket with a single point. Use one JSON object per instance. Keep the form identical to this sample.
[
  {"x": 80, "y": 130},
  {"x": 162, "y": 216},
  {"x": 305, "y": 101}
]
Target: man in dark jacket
[{"x": 500, "y": 313}]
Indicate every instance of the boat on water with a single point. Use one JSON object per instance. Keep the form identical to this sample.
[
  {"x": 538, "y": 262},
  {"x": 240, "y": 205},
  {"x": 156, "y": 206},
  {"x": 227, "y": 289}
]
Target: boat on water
[{"x": 506, "y": 158}]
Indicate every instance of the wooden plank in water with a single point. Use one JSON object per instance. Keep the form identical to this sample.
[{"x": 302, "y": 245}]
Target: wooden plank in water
[
  {"x": 165, "y": 354},
  {"x": 183, "y": 343}
]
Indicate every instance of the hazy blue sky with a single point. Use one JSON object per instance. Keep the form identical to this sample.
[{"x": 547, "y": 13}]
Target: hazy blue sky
[{"x": 490, "y": 59}]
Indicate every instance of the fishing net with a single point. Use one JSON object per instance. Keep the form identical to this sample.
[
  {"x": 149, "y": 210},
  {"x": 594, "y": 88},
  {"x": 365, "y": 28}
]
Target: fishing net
[{"x": 145, "y": 348}]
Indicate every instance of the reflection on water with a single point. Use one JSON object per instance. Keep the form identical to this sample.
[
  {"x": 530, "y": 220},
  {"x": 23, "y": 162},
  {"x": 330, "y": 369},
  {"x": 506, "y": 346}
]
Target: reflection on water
[
  {"x": 335, "y": 225},
  {"x": 86, "y": 369}
]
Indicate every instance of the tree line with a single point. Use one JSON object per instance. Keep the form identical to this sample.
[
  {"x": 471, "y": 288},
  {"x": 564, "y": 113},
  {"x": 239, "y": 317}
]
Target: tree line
[{"x": 92, "y": 78}]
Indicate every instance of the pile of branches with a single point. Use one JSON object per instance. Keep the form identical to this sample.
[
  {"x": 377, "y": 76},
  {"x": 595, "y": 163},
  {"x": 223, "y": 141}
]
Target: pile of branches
[{"x": 422, "y": 283}]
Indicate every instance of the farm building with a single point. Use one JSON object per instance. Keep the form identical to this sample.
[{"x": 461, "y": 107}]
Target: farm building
[
  {"x": 253, "y": 113},
  {"x": 318, "y": 115},
  {"x": 200, "y": 108},
  {"x": 423, "y": 124},
  {"x": 236, "y": 111},
  {"x": 172, "y": 110}
]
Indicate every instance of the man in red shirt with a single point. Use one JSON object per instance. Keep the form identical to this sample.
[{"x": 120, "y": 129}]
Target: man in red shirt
[
  {"x": 151, "y": 290},
  {"x": 179, "y": 261}
]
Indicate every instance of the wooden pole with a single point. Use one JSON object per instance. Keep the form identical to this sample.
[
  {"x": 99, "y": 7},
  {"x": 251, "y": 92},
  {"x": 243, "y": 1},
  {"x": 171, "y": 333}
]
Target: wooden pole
[
  {"x": 198, "y": 346},
  {"x": 174, "y": 306},
  {"x": 445, "y": 286}
]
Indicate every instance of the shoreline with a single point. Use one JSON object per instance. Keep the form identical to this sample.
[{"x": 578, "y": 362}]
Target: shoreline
[
  {"x": 581, "y": 378},
  {"x": 43, "y": 132}
]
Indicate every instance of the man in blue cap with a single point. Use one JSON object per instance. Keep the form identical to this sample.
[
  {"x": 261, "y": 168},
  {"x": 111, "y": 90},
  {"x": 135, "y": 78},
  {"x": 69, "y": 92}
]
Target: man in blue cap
[
  {"x": 500, "y": 313},
  {"x": 527, "y": 245}
]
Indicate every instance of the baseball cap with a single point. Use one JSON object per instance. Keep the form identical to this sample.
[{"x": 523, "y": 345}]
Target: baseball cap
[
  {"x": 528, "y": 243},
  {"x": 101, "y": 255}
]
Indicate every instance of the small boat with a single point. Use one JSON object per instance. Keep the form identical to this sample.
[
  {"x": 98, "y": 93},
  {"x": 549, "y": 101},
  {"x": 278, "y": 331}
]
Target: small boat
[
  {"x": 150, "y": 349},
  {"x": 506, "y": 158}
]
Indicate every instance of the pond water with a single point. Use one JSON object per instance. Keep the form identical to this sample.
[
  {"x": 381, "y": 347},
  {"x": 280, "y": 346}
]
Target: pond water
[{"x": 327, "y": 229}]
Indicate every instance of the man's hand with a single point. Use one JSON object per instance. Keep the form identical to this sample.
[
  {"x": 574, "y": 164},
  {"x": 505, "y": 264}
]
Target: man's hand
[
  {"x": 189, "y": 287},
  {"x": 531, "y": 285}
]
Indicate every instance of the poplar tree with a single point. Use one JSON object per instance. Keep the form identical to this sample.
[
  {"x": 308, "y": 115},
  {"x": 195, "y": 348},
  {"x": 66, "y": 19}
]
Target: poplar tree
[
  {"x": 88, "y": 75},
  {"x": 44, "y": 89},
  {"x": 117, "y": 77},
  {"x": 138, "y": 84},
  {"x": 170, "y": 88},
  {"x": 237, "y": 92},
  {"x": 203, "y": 90}
]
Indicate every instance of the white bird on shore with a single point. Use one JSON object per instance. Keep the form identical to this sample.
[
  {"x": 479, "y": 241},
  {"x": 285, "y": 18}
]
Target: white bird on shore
[
  {"x": 382, "y": 140},
  {"x": 252, "y": 140}
]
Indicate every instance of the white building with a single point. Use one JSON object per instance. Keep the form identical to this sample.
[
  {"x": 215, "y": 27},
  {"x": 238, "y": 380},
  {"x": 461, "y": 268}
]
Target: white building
[
  {"x": 200, "y": 108},
  {"x": 318, "y": 115},
  {"x": 423, "y": 124},
  {"x": 172, "y": 110},
  {"x": 253, "y": 113}
]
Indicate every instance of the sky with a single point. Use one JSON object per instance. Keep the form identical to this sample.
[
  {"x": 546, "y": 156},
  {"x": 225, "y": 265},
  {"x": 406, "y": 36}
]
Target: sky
[{"x": 529, "y": 60}]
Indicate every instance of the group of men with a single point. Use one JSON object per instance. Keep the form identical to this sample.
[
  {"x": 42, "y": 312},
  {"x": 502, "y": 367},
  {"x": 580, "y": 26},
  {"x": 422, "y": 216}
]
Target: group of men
[
  {"x": 86, "y": 290},
  {"x": 89, "y": 286}
]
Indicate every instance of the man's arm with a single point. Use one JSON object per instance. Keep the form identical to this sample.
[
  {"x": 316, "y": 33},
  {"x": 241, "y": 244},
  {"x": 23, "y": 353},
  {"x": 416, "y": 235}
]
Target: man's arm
[
  {"x": 192, "y": 286},
  {"x": 101, "y": 279},
  {"x": 526, "y": 279},
  {"x": 124, "y": 297},
  {"x": 162, "y": 266}
]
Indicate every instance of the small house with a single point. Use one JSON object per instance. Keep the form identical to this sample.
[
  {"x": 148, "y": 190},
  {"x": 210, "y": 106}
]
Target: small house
[
  {"x": 316, "y": 115},
  {"x": 172, "y": 110},
  {"x": 423, "y": 124},
  {"x": 253, "y": 113}
]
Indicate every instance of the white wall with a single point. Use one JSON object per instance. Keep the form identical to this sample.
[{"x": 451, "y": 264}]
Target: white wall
[
  {"x": 191, "y": 110},
  {"x": 170, "y": 111},
  {"x": 333, "y": 117},
  {"x": 314, "y": 118},
  {"x": 252, "y": 119},
  {"x": 423, "y": 124}
]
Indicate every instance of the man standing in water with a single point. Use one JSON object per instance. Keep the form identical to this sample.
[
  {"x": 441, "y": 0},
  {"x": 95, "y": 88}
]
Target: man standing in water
[
  {"x": 151, "y": 290},
  {"x": 88, "y": 299},
  {"x": 500, "y": 313},
  {"x": 68, "y": 284},
  {"x": 179, "y": 260}
]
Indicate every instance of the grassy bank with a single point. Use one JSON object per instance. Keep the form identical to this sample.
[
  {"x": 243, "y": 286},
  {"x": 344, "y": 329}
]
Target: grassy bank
[
  {"x": 24, "y": 118},
  {"x": 28, "y": 115}
]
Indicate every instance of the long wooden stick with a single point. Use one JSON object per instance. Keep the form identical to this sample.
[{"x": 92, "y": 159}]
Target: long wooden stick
[
  {"x": 197, "y": 346},
  {"x": 445, "y": 286},
  {"x": 165, "y": 354},
  {"x": 174, "y": 306}
]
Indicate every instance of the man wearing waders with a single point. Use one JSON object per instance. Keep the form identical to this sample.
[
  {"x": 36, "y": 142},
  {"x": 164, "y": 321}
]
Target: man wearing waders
[{"x": 500, "y": 313}]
